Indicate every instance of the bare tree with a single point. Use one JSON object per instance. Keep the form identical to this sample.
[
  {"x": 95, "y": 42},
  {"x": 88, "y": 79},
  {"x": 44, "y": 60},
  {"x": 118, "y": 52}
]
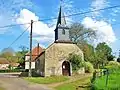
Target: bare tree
[{"x": 79, "y": 34}]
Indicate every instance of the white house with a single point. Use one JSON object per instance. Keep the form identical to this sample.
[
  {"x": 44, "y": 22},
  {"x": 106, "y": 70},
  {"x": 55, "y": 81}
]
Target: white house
[
  {"x": 4, "y": 64},
  {"x": 35, "y": 52}
]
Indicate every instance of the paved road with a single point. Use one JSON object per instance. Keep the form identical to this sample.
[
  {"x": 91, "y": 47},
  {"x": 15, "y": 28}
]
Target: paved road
[{"x": 10, "y": 82}]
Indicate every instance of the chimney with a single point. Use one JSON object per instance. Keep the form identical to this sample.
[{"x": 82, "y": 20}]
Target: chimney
[{"x": 38, "y": 49}]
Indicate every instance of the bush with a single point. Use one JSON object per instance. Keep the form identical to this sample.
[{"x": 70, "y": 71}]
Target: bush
[
  {"x": 113, "y": 63},
  {"x": 13, "y": 70},
  {"x": 25, "y": 73},
  {"x": 113, "y": 67},
  {"x": 76, "y": 61},
  {"x": 88, "y": 67}
]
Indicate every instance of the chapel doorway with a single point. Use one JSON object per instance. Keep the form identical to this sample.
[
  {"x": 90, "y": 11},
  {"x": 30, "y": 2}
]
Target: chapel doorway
[{"x": 66, "y": 68}]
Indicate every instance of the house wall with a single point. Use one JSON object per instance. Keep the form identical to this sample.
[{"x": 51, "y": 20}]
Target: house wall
[
  {"x": 27, "y": 58},
  {"x": 56, "y": 54},
  {"x": 27, "y": 65},
  {"x": 40, "y": 65},
  {"x": 4, "y": 66}
]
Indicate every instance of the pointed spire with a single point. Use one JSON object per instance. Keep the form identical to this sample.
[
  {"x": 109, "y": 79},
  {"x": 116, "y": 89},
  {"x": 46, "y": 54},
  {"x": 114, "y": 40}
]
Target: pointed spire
[
  {"x": 61, "y": 31},
  {"x": 61, "y": 18}
]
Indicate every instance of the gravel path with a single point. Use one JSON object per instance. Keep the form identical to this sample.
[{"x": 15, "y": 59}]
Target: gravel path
[{"x": 15, "y": 83}]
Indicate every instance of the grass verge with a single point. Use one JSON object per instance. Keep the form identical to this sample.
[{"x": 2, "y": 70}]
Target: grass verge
[
  {"x": 113, "y": 83},
  {"x": 46, "y": 80},
  {"x": 74, "y": 85}
]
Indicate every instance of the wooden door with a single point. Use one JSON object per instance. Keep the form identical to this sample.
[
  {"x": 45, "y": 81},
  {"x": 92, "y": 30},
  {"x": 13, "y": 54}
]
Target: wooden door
[{"x": 66, "y": 68}]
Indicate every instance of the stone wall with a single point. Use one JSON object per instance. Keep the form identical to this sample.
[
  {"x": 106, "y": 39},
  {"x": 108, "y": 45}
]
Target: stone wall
[
  {"x": 56, "y": 54},
  {"x": 40, "y": 65}
]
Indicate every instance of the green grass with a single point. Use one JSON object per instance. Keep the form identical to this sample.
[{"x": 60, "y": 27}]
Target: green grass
[
  {"x": 1, "y": 88},
  {"x": 113, "y": 82},
  {"x": 73, "y": 85},
  {"x": 47, "y": 80}
]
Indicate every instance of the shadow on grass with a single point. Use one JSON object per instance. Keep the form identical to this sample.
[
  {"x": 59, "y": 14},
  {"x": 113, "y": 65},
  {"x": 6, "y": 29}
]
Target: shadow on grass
[{"x": 83, "y": 87}]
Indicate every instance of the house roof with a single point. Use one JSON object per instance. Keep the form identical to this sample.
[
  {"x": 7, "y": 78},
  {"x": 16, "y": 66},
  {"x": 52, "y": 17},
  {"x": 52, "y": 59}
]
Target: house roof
[
  {"x": 3, "y": 61},
  {"x": 35, "y": 52},
  {"x": 40, "y": 55},
  {"x": 14, "y": 64}
]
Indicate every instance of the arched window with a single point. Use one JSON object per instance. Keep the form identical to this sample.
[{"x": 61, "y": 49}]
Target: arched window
[{"x": 63, "y": 31}]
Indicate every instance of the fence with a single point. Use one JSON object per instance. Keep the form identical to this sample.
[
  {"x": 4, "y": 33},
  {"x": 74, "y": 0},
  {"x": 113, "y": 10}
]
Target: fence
[
  {"x": 98, "y": 74},
  {"x": 106, "y": 79}
]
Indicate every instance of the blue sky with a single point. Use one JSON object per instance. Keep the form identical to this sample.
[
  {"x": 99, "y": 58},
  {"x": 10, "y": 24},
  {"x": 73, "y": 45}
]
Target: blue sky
[{"x": 106, "y": 22}]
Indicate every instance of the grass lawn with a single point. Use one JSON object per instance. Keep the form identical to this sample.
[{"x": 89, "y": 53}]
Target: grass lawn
[
  {"x": 113, "y": 82},
  {"x": 74, "y": 85},
  {"x": 47, "y": 80}
]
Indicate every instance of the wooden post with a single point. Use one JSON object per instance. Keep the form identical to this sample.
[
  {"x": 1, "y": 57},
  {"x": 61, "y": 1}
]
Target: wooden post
[
  {"x": 107, "y": 73},
  {"x": 30, "y": 71}
]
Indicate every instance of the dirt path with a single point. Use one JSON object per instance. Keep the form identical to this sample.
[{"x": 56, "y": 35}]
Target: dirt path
[
  {"x": 15, "y": 83},
  {"x": 71, "y": 79}
]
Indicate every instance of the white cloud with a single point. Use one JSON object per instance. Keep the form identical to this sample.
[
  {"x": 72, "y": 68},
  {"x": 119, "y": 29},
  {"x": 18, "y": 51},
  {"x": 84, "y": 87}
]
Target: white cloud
[
  {"x": 104, "y": 30},
  {"x": 98, "y": 4},
  {"x": 44, "y": 33},
  {"x": 8, "y": 12}
]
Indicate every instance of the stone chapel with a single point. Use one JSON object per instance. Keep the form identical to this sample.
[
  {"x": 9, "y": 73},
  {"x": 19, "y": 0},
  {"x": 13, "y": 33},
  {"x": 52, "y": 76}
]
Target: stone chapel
[{"x": 54, "y": 59}]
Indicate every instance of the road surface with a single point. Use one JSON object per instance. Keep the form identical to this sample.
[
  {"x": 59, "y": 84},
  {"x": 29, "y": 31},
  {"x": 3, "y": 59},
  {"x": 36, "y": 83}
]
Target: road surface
[{"x": 13, "y": 82}]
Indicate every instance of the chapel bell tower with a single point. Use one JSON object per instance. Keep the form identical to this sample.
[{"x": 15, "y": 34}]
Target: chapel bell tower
[{"x": 61, "y": 31}]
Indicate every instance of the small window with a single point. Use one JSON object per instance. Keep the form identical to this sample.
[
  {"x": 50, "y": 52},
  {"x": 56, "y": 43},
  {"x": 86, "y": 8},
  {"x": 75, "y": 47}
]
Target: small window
[{"x": 63, "y": 31}]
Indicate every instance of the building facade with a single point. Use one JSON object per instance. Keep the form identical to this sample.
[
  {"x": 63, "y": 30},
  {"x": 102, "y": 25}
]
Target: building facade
[
  {"x": 54, "y": 60},
  {"x": 35, "y": 52}
]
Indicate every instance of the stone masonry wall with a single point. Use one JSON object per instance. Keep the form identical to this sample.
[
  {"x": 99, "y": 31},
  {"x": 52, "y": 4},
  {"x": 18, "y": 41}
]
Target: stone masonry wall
[{"x": 56, "y": 54}]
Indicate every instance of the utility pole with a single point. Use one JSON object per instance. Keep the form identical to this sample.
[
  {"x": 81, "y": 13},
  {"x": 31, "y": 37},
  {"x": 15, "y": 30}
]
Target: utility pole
[
  {"x": 30, "y": 71},
  {"x": 119, "y": 53}
]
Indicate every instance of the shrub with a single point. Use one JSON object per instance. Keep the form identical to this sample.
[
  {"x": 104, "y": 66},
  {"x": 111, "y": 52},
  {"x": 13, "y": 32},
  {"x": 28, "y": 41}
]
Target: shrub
[
  {"x": 113, "y": 63},
  {"x": 13, "y": 70},
  {"x": 76, "y": 61},
  {"x": 113, "y": 67},
  {"x": 88, "y": 67}
]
